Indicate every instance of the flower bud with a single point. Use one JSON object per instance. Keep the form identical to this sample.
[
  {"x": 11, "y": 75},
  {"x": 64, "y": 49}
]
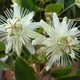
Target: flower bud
[{"x": 77, "y": 2}]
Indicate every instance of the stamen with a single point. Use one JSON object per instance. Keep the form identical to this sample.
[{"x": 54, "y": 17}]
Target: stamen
[
  {"x": 1, "y": 22},
  {"x": 3, "y": 19},
  {"x": 70, "y": 24},
  {"x": 8, "y": 13},
  {"x": 12, "y": 13},
  {"x": 25, "y": 12}
]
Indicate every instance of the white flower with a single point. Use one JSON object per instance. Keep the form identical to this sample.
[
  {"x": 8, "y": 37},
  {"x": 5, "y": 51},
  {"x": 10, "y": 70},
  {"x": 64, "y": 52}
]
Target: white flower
[
  {"x": 17, "y": 29},
  {"x": 61, "y": 43}
]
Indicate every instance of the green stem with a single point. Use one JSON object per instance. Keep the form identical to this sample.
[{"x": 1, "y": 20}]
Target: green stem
[
  {"x": 76, "y": 19},
  {"x": 66, "y": 9}
]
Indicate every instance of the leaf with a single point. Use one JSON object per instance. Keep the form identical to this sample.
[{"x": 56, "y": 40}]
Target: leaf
[
  {"x": 2, "y": 46},
  {"x": 61, "y": 2},
  {"x": 23, "y": 70},
  {"x": 4, "y": 66},
  {"x": 70, "y": 78},
  {"x": 78, "y": 72},
  {"x": 27, "y": 54},
  {"x": 40, "y": 30},
  {"x": 29, "y": 4},
  {"x": 53, "y": 8},
  {"x": 61, "y": 72},
  {"x": 2, "y": 54},
  {"x": 44, "y": 0},
  {"x": 10, "y": 61}
]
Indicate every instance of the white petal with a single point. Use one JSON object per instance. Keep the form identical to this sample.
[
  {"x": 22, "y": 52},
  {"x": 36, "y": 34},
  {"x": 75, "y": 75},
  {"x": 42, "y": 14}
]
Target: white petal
[
  {"x": 16, "y": 11},
  {"x": 74, "y": 31},
  {"x": 53, "y": 58},
  {"x": 4, "y": 58},
  {"x": 72, "y": 54},
  {"x": 38, "y": 41},
  {"x": 63, "y": 27},
  {"x": 2, "y": 28},
  {"x": 34, "y": 25},
  {"x": 49, "y": 42},
  {"x": 30, "y": 47},
  {"x": 56, "y": 22},
  {"x": 55, "y": 55},
  {"x": 50, "y": 31},
  {"x": 27, "y": 19},
  {"x": 33, "y": 34}
]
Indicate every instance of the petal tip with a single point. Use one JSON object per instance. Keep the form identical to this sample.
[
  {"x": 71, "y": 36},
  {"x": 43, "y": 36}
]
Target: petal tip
[{"x": 47, "y": 68}]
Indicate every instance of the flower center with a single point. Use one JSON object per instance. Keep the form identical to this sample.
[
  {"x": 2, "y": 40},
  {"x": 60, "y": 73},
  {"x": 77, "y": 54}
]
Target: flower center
[
  {"x": 13, "y": 27},
  {"x": 66, "y": 43}
]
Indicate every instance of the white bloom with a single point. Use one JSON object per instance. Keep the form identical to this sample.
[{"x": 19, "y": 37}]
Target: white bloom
[
  {"x": 61, "y": 43},
  {"x": 17, "y": 29}
]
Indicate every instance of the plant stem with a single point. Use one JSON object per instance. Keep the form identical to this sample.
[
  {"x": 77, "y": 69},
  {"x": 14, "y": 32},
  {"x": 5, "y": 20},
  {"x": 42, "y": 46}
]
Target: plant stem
[
  {"x": 76, "y": 19},
  {"x": 66, "y": 9}
]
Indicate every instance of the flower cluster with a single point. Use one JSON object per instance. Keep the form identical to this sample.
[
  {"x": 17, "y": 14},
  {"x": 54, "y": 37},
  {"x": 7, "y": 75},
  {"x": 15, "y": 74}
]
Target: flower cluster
[
  {"x": 17, "y": 29},
  {"x": 61, "y": 45}
]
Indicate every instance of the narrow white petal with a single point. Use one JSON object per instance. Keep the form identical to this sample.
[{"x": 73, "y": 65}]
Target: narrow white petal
[
  {"x": 49, "y": 42},
  {"x": 16, "y": 11},
  {"x": 74, "y": 31},
  {"x": 33, "y": 34},
  {"x": 56, "y": 54},
  {"x": 72, "y": 54},
  {"x": 52, "y": 60},
  {"x": 18, "y": 45},
  {"x": 30, "y": 47},
  {"x": 27, "y": 19},
  {"x": 38, "y": 41},
  {"x": 56, "y": 22},
  {"x": 34, "y": 25},
  {"x": 63, "y": 27},
  {"x": 2, "y": 28},
  {"x": 50, "y": 30}
]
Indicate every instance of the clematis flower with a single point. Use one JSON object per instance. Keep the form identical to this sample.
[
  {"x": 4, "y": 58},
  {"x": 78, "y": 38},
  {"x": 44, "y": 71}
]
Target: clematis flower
[
  {"x": 62, "y": 42},
  {"x": 16, "y": 29}
]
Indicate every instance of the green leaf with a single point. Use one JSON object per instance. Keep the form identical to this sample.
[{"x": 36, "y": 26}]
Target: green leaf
[
  {"x": 61, "y": 72},
  {"x": 27, "y": 54},
  {"x": 40, "y": 30},
  {"x": 61, "y": 2},
  {"x": 44, "y": 0},
  {"x": 10, "y": 62},
  {"x": 23, "y": 70},
  {"x": 36, "y": 59},
  {"x": 53, "y": 8},
  {"x": 69, "y": 78},
  {"x": 4, "y": 66},
  {"x": 29, "y": 4},
  {"x": 2, "y": 54},
  {"x": 2, "y": 46},
  {"x": 78, "y": 72}
]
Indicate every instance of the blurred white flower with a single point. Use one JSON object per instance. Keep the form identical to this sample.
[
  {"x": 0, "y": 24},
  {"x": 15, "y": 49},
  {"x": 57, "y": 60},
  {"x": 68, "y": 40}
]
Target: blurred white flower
[
  {"x": 61, "y": 42},
  {"x": 77, "y": 2},
  {"x": 16, "y": 29}
]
